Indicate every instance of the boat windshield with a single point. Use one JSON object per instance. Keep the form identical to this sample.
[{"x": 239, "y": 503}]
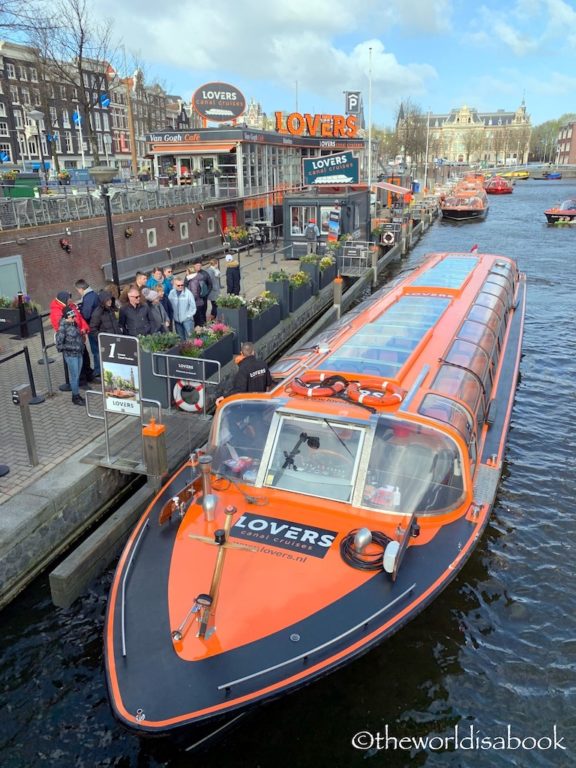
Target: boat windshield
[
  {"x": 412, "y": 468},
  {"x": 568, "y": 205},
  {"x": 238, "y": 438},
  {"x": 315, "y": 456}
]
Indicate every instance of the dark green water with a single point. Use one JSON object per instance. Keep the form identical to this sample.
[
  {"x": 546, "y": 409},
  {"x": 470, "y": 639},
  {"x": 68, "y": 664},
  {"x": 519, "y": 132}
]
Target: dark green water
[{"x": 496, "y": 651}]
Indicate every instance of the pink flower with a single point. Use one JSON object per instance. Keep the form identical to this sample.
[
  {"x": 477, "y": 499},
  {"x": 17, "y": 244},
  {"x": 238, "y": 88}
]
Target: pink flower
[{"x": 198, "y": 343}]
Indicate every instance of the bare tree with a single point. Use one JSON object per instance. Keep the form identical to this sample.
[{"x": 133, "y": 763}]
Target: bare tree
[
  {"x": 473, "y": 141},
  {"x": 77, "y": 52},
  {"x": 18, "y": 15},
  {"x": 411, "y": 129}
]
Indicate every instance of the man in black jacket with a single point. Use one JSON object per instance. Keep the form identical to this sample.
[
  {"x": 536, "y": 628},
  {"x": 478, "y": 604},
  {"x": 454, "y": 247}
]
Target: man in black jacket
[
  {"x": 253, "y": 374},
  {"x": 135, "y": 318}
]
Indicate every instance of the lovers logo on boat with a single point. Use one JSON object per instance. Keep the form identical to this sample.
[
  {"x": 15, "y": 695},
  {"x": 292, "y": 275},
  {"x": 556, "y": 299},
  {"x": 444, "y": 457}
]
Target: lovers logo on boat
[{"x": 284, "y": 534}]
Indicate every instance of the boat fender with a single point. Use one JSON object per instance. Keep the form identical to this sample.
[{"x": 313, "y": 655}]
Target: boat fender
[
  {"x": 390, "y": 555},
  {"x": 391, "y": 394},
  {"x": 195, "y": 386},
  {"x": 314, "y": 384}
]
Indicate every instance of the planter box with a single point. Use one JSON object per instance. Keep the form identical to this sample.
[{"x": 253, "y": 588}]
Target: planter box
[
  {"x": 281, "y": 290},
  {"x": 10, "y": 322},
  {"x": 327, "y": 276},
  {"x": 237, "y": 319},
  {"x": 299, "y": 295},
  {"x": 263, "y": 323},
  {"x": 313, "y": 270},
  {"x": 222, "y": 350}
]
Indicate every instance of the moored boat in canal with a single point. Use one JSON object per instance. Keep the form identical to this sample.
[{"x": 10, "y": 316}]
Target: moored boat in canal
[
  {"x": 497, "y": 185},
  {"x": 326, "y": 513}
]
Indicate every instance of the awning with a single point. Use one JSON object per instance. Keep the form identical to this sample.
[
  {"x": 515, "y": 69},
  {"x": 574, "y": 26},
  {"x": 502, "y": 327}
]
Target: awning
[
  {"x": 193, "y": 148},
  {"x": 392, "y": 187}
]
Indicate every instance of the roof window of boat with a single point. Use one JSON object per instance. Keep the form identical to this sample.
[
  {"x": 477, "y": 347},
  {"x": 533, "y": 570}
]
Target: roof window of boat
[
  {"x": 412, "y": 468},
  {"x": 238, "y": 437},
  {"x": 383, "y": 347},
  {"x": 451, "y": 272},
  {"x": 315, "y": 456},
  {"x": 568, "y": 205}
]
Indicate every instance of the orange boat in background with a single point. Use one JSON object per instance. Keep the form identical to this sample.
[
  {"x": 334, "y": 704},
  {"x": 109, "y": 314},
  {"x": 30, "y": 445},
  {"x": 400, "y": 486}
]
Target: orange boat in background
[
  {"x": 497, "y": 185},
  {"x": 466, "y": 201},
  {"x": 326, "y": 513}
]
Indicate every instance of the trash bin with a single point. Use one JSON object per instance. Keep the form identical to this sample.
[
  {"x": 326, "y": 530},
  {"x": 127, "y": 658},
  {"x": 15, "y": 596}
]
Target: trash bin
[{"x": 415, "y": 187}]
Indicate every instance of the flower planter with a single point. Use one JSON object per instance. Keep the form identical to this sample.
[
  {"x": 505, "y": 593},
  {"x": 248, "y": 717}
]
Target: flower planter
[
  {"x": 313, "y": 270},
  {"x": 263, "y": 323},
  {"x": 10, "y": 322},
  {"x": 299, "y": 295},
  {"x": 237, "y": 319},
  {"x": 327, "y": 276},
  {"x": 222, "y": 350},
  {"x": 281, "y": 290}
]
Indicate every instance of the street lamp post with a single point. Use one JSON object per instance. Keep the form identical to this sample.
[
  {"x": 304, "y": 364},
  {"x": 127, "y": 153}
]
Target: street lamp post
[
  {"x": 37, "y": 116},
  {"x": 103, "y": 175}
]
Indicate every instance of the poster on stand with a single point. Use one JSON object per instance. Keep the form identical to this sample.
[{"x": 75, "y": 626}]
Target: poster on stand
[
  {"x": 333, "y": 226},
  {"x": 120, "y": 373}
]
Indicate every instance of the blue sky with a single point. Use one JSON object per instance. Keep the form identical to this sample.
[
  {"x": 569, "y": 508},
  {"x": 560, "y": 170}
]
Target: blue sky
[{"x": 440, "y": 54}]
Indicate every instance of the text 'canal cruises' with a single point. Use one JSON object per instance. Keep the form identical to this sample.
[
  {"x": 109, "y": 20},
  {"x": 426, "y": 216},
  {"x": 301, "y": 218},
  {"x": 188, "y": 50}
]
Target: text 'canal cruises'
[{"x": 327, "y": 512}]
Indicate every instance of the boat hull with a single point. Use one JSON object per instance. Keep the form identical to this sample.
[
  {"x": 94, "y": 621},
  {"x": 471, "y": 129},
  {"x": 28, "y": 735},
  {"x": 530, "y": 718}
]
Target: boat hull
[{"x": 464, "y": 214}]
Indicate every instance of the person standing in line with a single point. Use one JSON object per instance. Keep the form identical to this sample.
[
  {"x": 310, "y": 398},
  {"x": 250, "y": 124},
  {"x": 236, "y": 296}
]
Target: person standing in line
[
  {"x": 71, "y": 342},
  {"x": 155, "y": 279},
  {"x": 183, "y": 308},
  {"x": 200, "y": 284},
  {"x": 311, "y": 235},
  {"x": 139, "y": 283},
  {"x": 135, "y": 318},
  {"x": 88, "y": 303},
  {"x": 253, "y": 374},
  {"x": 163, "y": 298},
  {"x": 104, "y": 318},
  {"x": 158, "y": 315},
  {"x": 232, "y": 276},
  {"x": 168, "y": 281},
  {"x": 214, "y": 271}
]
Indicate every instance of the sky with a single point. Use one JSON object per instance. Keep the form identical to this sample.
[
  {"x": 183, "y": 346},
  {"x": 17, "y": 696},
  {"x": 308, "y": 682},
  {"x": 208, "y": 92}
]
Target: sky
[{"x": 301, "y": 55}]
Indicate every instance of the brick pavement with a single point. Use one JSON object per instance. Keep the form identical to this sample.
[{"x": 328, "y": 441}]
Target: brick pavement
[{"x": 61, "y": 428}]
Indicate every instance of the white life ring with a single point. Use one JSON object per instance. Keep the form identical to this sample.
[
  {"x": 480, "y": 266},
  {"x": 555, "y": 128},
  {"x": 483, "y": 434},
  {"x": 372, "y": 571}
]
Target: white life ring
[
  {"x": 388, "y": 238},
  {"x": 197, "y": 387}
]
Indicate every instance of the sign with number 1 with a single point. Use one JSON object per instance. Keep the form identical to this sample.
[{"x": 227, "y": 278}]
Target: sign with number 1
[{"x": 120, "y": 373}]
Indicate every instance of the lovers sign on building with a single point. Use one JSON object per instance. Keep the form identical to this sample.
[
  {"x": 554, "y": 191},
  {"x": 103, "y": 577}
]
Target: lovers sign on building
[{"x": 331, "y": 169}]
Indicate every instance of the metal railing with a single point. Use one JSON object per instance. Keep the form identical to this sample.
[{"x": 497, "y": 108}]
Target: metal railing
[{"x": 73, "y": 204}]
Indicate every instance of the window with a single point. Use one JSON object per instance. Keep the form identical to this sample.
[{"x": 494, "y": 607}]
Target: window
[
  {"x": 105, "y": 121},
  {"x": 33, "y": 75},
  {"x": 151, "y": 237},
  {"x": 211, "y": 224},
  {"x": 18, "y": 121},
  {"x": 63, "y": 92},
  {"x": 14, "y": 95},
  {"x": 23, "y": 73},
  {"x": 57, "y": 142},
  {"x": 100, "y": 143},
  {"x": 2, "y": 109},
  {"x": 184, "y": 230},
  {"x": 97, "y": 121},
  {"x": 65, "y": 119},
  {"x": 26, "y": 96},
  {"x": 54, "y": 116},
  {"x": 4, "y": 128},
  {"x": 10, "y": 71},
  {"x": 68, "y": 141},
  {"x": 6, "y": 149}
]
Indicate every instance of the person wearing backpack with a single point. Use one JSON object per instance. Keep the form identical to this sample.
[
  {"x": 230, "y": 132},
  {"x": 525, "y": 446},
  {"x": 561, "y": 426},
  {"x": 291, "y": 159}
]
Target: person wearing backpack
[
  {"x": 200, "y": 283},
  {"x": 311, "y": 235}
]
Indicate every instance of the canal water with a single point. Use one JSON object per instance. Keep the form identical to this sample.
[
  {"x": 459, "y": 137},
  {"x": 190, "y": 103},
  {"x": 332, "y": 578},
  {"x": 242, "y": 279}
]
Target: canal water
[{"x": 491, "y": 663}]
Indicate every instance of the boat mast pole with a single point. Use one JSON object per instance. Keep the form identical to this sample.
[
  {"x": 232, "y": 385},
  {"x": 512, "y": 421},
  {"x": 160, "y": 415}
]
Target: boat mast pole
[{"x": 221, "y": 536}]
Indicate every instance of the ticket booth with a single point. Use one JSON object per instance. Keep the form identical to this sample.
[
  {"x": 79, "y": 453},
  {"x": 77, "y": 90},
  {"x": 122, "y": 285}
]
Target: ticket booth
[{"x": 336, "y": 211}]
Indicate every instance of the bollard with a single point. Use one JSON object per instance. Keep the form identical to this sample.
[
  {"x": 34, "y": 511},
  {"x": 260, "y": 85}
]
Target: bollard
[
  {"x": 22, "y": 396},
  {"x": 374, "y": 258},
  {"x": 338, "y": 285},
  {"x": 154, "y": 449},
  {"x": 44, "y": 360}
]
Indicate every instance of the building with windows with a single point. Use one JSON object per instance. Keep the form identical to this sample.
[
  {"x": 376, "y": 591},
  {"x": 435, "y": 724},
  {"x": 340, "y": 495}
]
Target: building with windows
[{"x": 566, "y": 144}]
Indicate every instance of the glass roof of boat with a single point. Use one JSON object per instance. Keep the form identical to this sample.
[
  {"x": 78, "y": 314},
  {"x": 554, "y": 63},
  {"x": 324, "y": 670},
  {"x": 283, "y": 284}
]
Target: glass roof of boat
[
  {"x": 382, "y": 347},
  {"x": 451, "y": 272}
]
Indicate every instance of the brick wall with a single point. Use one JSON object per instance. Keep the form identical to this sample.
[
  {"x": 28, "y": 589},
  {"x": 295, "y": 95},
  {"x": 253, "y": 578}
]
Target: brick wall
[{"x": 49, "y": 269}]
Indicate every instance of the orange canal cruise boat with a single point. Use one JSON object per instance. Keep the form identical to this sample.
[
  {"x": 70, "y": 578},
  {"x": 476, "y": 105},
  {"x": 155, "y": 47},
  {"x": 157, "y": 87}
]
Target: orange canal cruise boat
[
  {"x": 466, "y": 201},
  {"x": 327, "y": 512}
]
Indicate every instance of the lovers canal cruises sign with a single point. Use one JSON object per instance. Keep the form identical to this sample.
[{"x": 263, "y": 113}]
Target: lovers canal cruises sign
[
  {"x": 120, "y": 373},
  {"x": 219, "y": 102}
]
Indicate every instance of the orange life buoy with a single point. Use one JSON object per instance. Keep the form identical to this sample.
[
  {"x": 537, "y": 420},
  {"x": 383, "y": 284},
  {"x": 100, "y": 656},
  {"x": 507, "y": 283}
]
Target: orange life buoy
[
  {"x": 389, "y": 394},
  {"x": 314, "y": 384}
]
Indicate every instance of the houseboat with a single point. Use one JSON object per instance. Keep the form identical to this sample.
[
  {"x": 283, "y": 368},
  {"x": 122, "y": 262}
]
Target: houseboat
[
  {"x": 466, "y": 201},
  {"x": 327, "y": 512}
]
